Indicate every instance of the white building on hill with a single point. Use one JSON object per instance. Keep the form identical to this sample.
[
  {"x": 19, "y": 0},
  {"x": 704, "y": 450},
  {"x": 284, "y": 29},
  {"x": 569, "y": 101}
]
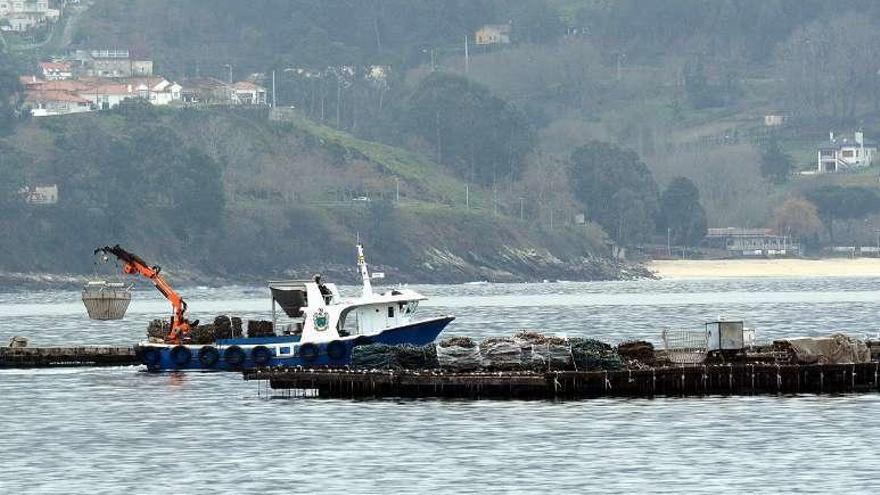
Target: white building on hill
[
  {"x": 838, "y": 155},
  {"x": 21, "y": 15}
]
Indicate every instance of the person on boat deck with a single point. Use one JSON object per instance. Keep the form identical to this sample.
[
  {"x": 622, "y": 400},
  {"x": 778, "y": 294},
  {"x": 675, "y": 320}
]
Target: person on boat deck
[{"x": 324, "y": 290}]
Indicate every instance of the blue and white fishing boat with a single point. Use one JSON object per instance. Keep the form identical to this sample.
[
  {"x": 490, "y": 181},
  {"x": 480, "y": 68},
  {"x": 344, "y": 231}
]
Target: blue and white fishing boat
[{"x": 316, "y": 326}]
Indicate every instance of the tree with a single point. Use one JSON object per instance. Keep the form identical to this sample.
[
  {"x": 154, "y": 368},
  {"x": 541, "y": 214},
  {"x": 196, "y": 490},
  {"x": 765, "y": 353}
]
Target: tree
[
  {"x": 480, "y": 135},
  {"x": 776, "y": 164},
  {"x": 11, "y": 175},
  {"x": 617, "y": 189},
  {"x": 682, "y": 213},
  {"x": 841, "y": 203},
  {"x": 10, "y": 94},
  {"x": 817, "y": 64},
  {"x": 798, "y": 218}
]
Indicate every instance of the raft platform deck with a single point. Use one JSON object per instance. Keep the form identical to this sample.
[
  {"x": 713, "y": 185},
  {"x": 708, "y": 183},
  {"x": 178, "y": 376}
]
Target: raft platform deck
[
  {"x": 734, "y": 379},
  {"x": 67, "y": 356}
]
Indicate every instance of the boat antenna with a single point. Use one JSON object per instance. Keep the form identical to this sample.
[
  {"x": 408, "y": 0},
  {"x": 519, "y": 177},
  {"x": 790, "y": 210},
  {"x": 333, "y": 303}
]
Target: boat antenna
[{"x": 367, "y": 289}]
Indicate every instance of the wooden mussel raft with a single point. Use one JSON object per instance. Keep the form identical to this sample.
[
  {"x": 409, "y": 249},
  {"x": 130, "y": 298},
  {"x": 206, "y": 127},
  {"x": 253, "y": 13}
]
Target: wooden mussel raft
[
  {"x": 531, "y": 366},
  {"x": 694, "y": 381},
  {"x": 67, "y": 356}
]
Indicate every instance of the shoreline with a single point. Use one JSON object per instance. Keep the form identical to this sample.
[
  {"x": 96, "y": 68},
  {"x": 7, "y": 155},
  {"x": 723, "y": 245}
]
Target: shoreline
[{"x": 765, "y": 268}]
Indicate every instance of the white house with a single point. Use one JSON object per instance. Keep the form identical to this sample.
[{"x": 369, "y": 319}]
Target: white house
[
  {"x": 156, "y": 90},
  {"x": 40, "y": 195},
  {"x": 56, "y": 71},
  {"x": 248, "y": 93},
  {"x": 842, "y": 154}
]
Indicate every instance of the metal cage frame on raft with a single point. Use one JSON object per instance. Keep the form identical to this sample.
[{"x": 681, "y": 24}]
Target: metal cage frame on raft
[{"x": 686, "y": 347}]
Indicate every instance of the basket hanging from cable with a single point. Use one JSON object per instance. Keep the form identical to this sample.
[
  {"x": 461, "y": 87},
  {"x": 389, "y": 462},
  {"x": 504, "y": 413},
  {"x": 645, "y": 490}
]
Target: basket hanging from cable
[{"x": 106, "y": 300}]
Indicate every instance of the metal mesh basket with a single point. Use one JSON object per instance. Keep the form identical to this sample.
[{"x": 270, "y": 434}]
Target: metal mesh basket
[
  {"x": 106, "y": 300},
  {"x": 686, "y": 346}
]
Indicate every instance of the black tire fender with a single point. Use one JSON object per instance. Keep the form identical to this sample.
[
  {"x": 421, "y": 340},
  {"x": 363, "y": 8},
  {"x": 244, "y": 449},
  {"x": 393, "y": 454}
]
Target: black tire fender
[
  {"x": 308, "y": 352},
  {"x": 261, "y": 355},
  {"x": 336, "y": 350},
  {"x": 208, "y": 356},
  {"x": 234, "y": 356}
]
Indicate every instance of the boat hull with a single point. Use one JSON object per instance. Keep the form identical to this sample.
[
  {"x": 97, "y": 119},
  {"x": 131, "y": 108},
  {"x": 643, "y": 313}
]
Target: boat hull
[{"x": 248, "y": 353}]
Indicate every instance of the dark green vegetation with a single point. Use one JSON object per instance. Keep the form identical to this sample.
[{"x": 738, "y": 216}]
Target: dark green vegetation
[
  {"x": 10, "y": 93},
  {"x": 228, "y": 194},
  {"x": 681, "y": 212},
  {"x": 481, "y": 135},
  {"x": 617, "y": 189}
]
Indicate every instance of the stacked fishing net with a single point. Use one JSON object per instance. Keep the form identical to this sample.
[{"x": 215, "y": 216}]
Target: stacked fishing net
[
  {"x": 501, "y": 354},
  {"x": 544, "y": 353},
  {"x": 224, "y": 327},
  {"x": 527, "y": 351},
  {"x": 594, "y": 355},
  {"x": 394, "y": 357},
  {"x": 260, "y": 329},
  {"x": 637, "y": 353},
  {"x": 459, "y": 354},
  {"x": 157, "y": 330}
]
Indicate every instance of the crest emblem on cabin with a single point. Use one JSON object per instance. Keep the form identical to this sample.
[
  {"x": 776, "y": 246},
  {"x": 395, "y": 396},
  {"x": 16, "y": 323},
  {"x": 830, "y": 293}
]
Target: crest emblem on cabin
[{"x": 321, "y": 319}]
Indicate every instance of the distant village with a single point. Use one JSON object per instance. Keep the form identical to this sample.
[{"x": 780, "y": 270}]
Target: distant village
[{"x": 90, "y": 80}]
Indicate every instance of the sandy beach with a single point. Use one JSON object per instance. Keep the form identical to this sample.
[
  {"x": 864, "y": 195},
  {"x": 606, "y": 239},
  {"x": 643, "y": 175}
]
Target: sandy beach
[{"x": 831, "y": 267}]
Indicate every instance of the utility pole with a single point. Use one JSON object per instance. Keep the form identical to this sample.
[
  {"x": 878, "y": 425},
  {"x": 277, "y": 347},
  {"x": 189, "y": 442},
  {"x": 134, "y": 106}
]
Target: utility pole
[
  {"x": 397, "y": 191},
  {"x": 274, "y": 100},
  {"x": 521, "y": 208},
  {"x": 495, "y": 201},
  {"x": 467, "y": 58},
  {"x": 668, "y": 242},
  {"x": 467, "y": 196},
  {"x": 231, "y": 92},
  {"x": 338, "y": 100}
]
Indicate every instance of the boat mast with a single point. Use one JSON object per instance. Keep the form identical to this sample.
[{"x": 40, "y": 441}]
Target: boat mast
[{"x": 367, "y": 289}]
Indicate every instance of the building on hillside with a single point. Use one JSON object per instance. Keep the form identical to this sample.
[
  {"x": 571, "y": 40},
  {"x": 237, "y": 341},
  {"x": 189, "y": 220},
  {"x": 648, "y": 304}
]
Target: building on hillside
[
  {"x": 156, "y": 90},
  {"x": 22, "y": 15},
  {"x": 45, "y": 103},
  {"x": 741, "y": 242},
  {"x": 56, "y": 71},
  {"x": 205, "y": 91},
  {"x": 493, "y": 34},
  {"x": 30, "y": 81},
  {"x": 41, "y": 194},
  {"x": 104, "y": 96},
  {"x": 248, "y": 93},
  {"x": 774, "y": 120},
  {"x": 110, "y": 63},
  {"x": 838, "y": 155}
]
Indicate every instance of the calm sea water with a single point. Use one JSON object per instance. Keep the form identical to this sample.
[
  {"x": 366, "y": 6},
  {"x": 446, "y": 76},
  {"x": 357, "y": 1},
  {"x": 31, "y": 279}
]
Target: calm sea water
[{"x": 122, "y": 430}]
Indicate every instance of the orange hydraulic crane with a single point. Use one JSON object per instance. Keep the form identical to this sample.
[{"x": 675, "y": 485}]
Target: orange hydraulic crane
[{"x": 134, "y": 265}]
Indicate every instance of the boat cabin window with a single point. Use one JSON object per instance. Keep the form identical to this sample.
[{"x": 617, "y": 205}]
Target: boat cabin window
[
  {"x": 348, "y": 323},
  {"x": 391, "y": 311}
]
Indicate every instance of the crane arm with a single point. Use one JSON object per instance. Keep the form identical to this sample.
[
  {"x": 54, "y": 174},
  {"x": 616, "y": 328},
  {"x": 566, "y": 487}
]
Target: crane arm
[{"x": 135, "y": 265}]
